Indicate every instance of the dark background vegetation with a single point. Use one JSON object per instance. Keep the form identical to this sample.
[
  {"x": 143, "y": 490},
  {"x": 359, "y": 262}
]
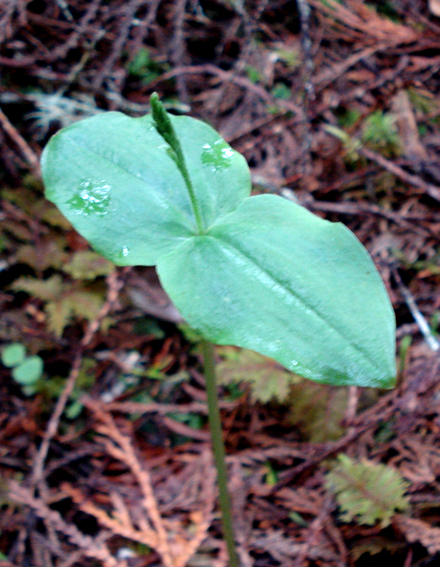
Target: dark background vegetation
[{"x": 104, "y": 448}]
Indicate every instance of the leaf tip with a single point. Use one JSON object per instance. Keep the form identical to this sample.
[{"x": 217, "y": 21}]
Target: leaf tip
[{"x": 390, "y": 382}]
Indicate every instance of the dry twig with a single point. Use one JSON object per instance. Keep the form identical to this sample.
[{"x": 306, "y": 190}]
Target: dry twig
[
  {"x": 21, "y": 143},
  {"x": 167, "y": 537},
  {"x": 114, "y": 286},
  {"x": 163, "y": 409},
  {"x": 359, "y": 21},
  {"x": 432, "y": 190},
  {"x": 228, "y": 76},
  {"x": 91, "y": 547}
]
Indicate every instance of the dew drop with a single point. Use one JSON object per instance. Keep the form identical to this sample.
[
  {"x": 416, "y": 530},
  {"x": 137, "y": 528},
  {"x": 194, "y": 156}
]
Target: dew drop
[
  {"x": 217, "y": 156},
  {"x": 125, "y": 251},
  {"x": 91, "y": 197}
]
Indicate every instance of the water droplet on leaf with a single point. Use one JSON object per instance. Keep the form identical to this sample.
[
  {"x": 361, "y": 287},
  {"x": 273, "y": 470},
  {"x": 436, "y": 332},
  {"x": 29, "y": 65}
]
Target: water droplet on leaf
[
  {"x": 92, "y": 197},
  {"x": 218, "y": 155}
]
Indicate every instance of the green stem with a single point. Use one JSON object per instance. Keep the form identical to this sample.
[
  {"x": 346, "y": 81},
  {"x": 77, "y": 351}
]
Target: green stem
[
  {"x": 165, "y": 128},
  {"x": 218, "y": 449}
]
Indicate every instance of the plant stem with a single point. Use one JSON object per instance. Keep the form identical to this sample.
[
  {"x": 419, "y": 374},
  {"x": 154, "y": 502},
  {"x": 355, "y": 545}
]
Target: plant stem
[
  {"x": 165, "y": 128},
  {"x": 218, "y": 449}
]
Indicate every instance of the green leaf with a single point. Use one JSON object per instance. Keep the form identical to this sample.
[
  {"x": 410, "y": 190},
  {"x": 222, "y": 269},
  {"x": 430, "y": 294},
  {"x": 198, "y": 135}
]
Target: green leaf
[
  {"x": 380, "y": 132},
  {"x": 257, "y": 272},
  {"x": 113, "y": 177},
  {"x": 85, "y": 304},
  {"x": 366, "y": 491},
  {"x": 13, "y": 355},
  {"x": 276, "y": 279},
  {"x": 73, "y": 410},
  {"x": 268, "y": 380},
  {"x": 87, "y": 265},
  {"x": 81, "y": 303},
  {"x": 29, "y": 371},
  {"x": 59, "y": 314},
  {"x": 373, "y": 545},
  {"x": 42, "y": 255},
  {"x": 45, "y": 290},
  {"x": 316, "y": 410}
]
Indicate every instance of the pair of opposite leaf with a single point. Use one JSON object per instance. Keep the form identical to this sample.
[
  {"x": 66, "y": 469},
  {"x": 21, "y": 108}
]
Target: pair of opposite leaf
[{"x": 257, "y": 272}]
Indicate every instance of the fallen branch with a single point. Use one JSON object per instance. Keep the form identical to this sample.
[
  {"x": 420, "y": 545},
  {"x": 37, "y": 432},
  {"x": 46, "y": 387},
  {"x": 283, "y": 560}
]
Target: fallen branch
[
  {"x": 114, "y": 286},
  {"x": 414, "y": 180},
  {"x": 92, "y": 547},
  {"x": 169, "y": 538},
  {"x": 27, "y": 152}
]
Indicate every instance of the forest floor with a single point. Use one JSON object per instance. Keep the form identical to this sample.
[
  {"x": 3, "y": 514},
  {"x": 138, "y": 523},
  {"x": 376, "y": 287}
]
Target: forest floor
[{"x": 104, "y": 448}]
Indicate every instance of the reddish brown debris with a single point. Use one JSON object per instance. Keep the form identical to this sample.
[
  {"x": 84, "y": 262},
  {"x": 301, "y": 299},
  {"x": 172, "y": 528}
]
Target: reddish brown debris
[{"x": 130, "y": 481}]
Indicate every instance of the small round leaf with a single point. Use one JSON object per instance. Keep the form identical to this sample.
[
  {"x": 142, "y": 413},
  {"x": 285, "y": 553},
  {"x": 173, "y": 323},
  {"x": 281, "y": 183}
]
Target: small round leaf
[
  {"x": 13, "y": 355},
  {"x": 29, "y": 371}
]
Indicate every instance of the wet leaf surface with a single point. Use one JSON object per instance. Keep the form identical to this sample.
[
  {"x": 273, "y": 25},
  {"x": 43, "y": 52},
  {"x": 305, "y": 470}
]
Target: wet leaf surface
[{"x": 370, "y": 75}]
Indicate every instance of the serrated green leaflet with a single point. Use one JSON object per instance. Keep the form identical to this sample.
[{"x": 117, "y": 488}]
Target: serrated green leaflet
[{"x": 258, "y": 272}]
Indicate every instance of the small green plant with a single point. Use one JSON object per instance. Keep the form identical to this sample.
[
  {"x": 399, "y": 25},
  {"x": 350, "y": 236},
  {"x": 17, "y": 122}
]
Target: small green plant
[
  {"x": 351, "y": 145},
  {"x": 258, "y": 272},
  {"x": 254, "y": 75},
  {"x": 378, "y": 131},
  {"x": 145, "y": 67},
  {"x": 267, "y": 380},
  {"x": 381, "y": 134},
  {"x": 367, "y": 492},
  {"x": 63, "y": 301},
  {"x": 282, "y": 91},
  {"x": 26, "y": 370}
]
